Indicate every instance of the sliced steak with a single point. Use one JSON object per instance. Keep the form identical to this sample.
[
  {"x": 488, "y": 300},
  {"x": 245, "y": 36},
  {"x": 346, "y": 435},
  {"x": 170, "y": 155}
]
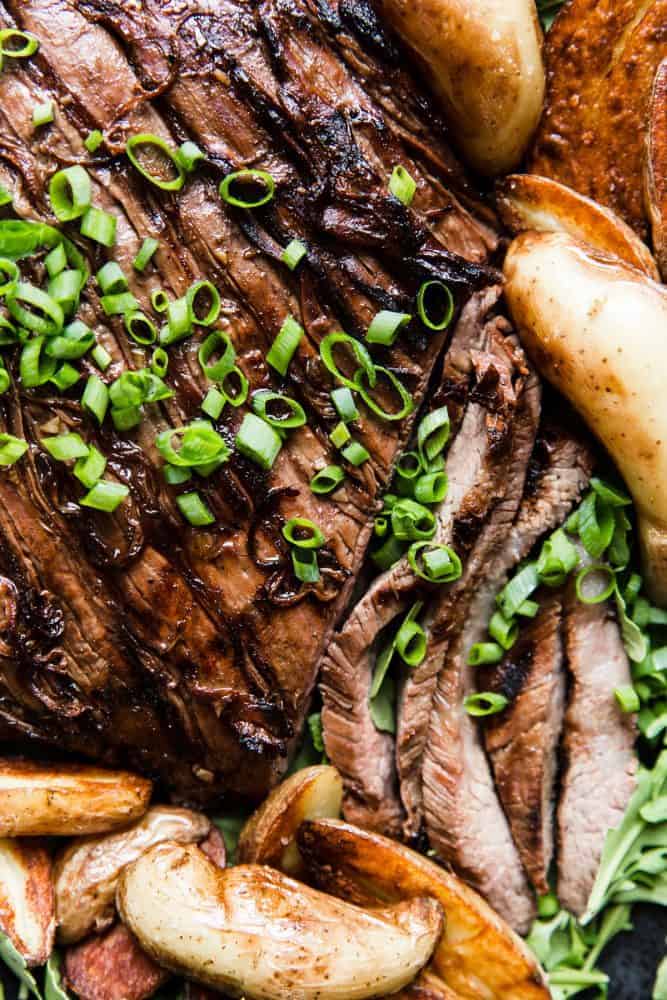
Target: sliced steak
[
  {"x": 600, "y": 762},
  {"x": 522, "y": 742}
]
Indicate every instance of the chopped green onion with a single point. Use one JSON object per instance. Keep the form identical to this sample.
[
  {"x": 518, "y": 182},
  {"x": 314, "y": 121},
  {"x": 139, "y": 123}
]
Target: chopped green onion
[
  {"x": 140, "y": 328},
  {"x": 132, "y": 388},
  {"x": 433, "y": 434},
  {"x": 194, "y": 510},
  {"x": 126, "y": 417},
  {"x": 95, "y": 398},
  {"x": 70, "y": 193},
  {"x": 389, "y": 553},
  {"x": 402, "y": 185},
  {"x": 386, "y": 326},
  {"x": 517, "y": 590},
  {"x": 10, "y": 35},
  {"x": 610, "y": 494},
  {"x": 5, "y": 380},
  {"x": 45, "y": 315},
  {"x": 503, "y": 631},
  {"x": 10, "y": 269},
  {"x": 65, "y": 377},
  {"x": 105, "y": 496},
  {"x": 547, "y": 906},
  {"x": 179, "y": 322},
  {"x": 93, "y": 140},
  {"x": 239, "y": 397},
  {"x": 146, "y": 251},
  {"x": 293, "y": 254},
  {"x": 99, "y": 226},
  {"x": 411, "y": 520},
  {"x": 305, "y": 565},
  {"x": 482, "y": 653},
  {"x": 528, "y": 609},
  {"x": 431, "y": 487},
  {"x": 558, "y": 557},
  {"x": 595, "y": 594},
  {"x": 118, "y": 305},
  {"x": 213, "y": 403},
  {"x": 284, "y": 346},
  {"x": 355, "y": 453},
  {"x": 55, "y": 261},
  {"x": 75, "y": 341},
  {"x": 278, "y": 410},
  {"x": 303, "y": 533},
  {"x": 159, "y": 149},
  {"x": 361, "y": 356},
  {"x": 101, "y": 357},
  {"x": 11, "y": 449},
  {"x": 435, "y": 563},
  {"x": 35, "y": 368},
  {"x": 159, "y": 300},
  {"x": 406, "y": 399},
  {"x": 410, "y": 641},
  {"x": 437, "y": 314},
  {"x": 89, "y": 469},
  {"x": 65, "y": 289},
  {"x": 251, "y": 179},
  {"x": 596, "y": 525},
  {"x": 346, "y": 408},
  {"x": 409, "y": 466},
  {"x": 176, "y": 476},
  {"x": 340, "y": 435},
  {"x": 203, "y": 293},
  {"x": 65, "y": 447},
  {"x": 485, "y": 703},
  {"x": 627, "y": 698},
  {"x": 381, "y": 526},
  {"x": 8, "y": 332},
  {"x": 6, "y": 197},
  {"x": 219, "y": 343},
  {"x": 159, "y": 362},
  {"x": 258, "y": 441},
  {"x": 111, "y": 279},
  {"x": 189, "y": 155},
  {"x": 42, "y": 114},
  {"x": 327, "y": 480}
]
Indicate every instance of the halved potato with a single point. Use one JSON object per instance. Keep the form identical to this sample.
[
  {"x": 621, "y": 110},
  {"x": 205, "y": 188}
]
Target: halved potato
[
  {"x": 87, "y": 871},
  {"x": 112, "y": 966},
  {"x": 526, "y": 201},
  {"x": 63, "y": 800},
  {"x": 254, "y": 932},
  {"x": 478, "y": 954},
  {"x": 27, "y": 903},
  {"x": 269, "y": 836},
  {"x": 655, "y": 174}
]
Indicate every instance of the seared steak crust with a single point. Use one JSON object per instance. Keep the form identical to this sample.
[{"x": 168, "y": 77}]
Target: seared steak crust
[{"x": 191, "y": 654}]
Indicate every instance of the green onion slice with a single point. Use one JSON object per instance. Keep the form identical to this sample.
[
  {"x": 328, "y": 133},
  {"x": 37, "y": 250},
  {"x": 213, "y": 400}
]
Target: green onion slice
[
  {"x": 8, "y": 43},
  {"x": 118, "y": 305},
  {"x": 402, "y": 185},
  {"x": 433, "y": 434},
  {"x": 200, "y": 444},
  {"x": 65, "y": 289},
  {"x": 340, "y": 435},
  {"x": 361, "y": 356},
  {"x": 43, "y": 114},
  {"x": 11, "y": 449},
  {"x": 95, "y": 399},
  {"x": 293, "y": 254},
  {"x": 435, "y": 305},
  {"x": 213, "y": 403},
  {"x": 6, "y": 197},
  {"x": 482, "y": 653},
  {"x": 101, "y": 357},
  {"x": 105, "y": 496},
  {"x": 34, "y": 309},
  {"x": 595, "y": 584},
  {"x": 346, "y": 408},
  {"x": 8, "y": 269},
  {"x": 161, "y": 164},
  {"x": 93, "y": 140},
  {"x": 259, "y": 186},
  {"x": 218, "y": 343},
  {"x": 194, "y": 510},
  {"x": 303, "y": 533},
  {"x": 327, "y": 480},
  {"x": 159, "y": 362},
  {"x": 435, "y": 563},
  {"x": 283, "y": 348},
  {"x": 145, "y": 255},
  {"x": 174, "y": 476},
  {"x": 140, "y": 328},
  {"x": 65, "y": 447},
  {"x": 111, "y": 279},
  {"x": 409, "y": 465},
  {"x": 355, "y": 453},
  {"x": 89, "y": 469},
  {"x": 485, "y": 703},
  {"x": 70, "y": 193},
  {"x": 237, "y": 394},
  {"x": 189, "y": 155},
  {"x": 159, "y": 300},
  {"x": 388, "y": 554},
  {"x": 407, "y": 403},
  {"x": 55, "y": 261},
  {"x": 519, "y": 588},
  {"x": 504, "y": 631},
  {"x": 8, "y": 332},
  {"x": 65, "y": 377},
  {"x": 74, "y": 341},
  {"x": 627, "y": 698},
  {"x": 411, "y": 641},
  {"x": 5, "y": 380},
  {"x": 179, "y": 322},
  {"x": 412, "y": 521},
  {"x": 431, "y": 487},
  {"x": 258, "y": 441},
  {"x": 35, "y": 367},
  {"x": 557, "y": 559},
  {"x": 304, "y": 562},
  {"x": 278, "y": 410},
  {"x": 203, "y": 300},
  {"x": 99, "y": 226},
  {"x": 386, "y": 326},
  {"x": 596, "y": 525}
]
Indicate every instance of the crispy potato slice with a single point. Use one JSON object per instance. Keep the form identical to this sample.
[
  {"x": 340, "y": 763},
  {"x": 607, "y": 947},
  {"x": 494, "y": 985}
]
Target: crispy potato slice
[
  {"x": 269, "y": 836},
  {"x": 63, "y": 800},
  {"x": 87, "y": 871},
  {"x": 27, "y": 902},
  {"x": 526, "y": 201},
  {"x": 112, "y": 966},
  {"x": 253, "y": 931},
  {"x": 478, "y": 955},
  {"x": 655, "y": 174},
  {"x": 601, "y": 59}
]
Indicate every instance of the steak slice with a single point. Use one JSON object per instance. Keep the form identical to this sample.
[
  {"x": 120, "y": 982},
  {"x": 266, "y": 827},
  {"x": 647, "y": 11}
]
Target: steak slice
[
  {"x": 191, "y": 654},
  {"x": 522, "y": 741},
  {"x": 600, "y": 762}
]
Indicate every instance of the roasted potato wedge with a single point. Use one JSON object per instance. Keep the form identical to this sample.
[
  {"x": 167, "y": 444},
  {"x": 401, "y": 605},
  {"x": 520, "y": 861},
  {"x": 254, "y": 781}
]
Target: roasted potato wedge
[
  {"x": 526, "y": 201},
  {"x": 484, "y": 61},
  {"x": 112, "y": 966},
  {"x": 254, "y": 932},
  {"x": 87, "y": 871},
  {"x": 601, "y": 59},
  {"x": 655, "y": 174},
  {"x": 595, "y": 328},
  {"x": 477, "y": 956},
  {"x": 269, "y": 836},
  {"x": 27, "y": 902},
  {"x": 63, "y": 800}
]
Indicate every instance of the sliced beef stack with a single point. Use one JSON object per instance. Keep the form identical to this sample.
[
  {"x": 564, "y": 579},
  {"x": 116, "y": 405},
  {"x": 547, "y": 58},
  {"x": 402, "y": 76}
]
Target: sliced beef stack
[{"x": 191, "y": 653}]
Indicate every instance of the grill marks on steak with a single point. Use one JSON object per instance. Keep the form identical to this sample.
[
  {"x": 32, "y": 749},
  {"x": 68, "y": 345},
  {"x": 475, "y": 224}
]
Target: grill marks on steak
[{"x": 200, "y": 638}]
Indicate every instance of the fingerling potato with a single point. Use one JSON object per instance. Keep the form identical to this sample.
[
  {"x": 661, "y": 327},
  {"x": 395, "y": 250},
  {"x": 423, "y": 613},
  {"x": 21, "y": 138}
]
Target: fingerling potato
[
  {"x": 27, "y": 904},
  {"x": 63, "y": 800},
  {"x": 112, "y": 966},
  {"x": 252, "y": 931}
]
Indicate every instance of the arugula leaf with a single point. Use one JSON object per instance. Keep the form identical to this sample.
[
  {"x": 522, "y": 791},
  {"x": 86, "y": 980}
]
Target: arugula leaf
[
  {"x": 53, "y": 986},
  {"x": 15, "y": 961},
  {"x": 634, "y": 640}
]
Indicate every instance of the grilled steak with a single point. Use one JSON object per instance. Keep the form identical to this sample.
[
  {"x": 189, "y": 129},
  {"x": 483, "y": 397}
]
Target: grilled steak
[
  {"x": 522, "y": 741},
  {"x": 599, "y": 776},
  {"x": 191, "y": 653}
]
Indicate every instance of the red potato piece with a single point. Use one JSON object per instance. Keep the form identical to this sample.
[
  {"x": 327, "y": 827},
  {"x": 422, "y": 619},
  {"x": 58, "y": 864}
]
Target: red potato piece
[
  {"x": 27, "y": 900},
  {"x": 112, "y": 966}
]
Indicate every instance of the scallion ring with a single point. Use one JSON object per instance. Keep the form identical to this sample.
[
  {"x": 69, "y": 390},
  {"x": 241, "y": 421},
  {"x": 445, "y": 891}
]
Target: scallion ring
[
  {"x": 361, "y": 356},
  {"x": 278, "y": 410},
  {"x": 70, "y": 193},
  {"x": 485, "y": 703},
  {"x": 306, "y": 568},
  {"x": 431, "y": 487},
  {"x": 111, "y": 279},
  {"x": 203, "y": 294},
  {"x": 386, "y": 326},
  {"x": 412, "y": 521},
  {"x": 433, "y": 434},
  {"x": 200, "y": 444},
  {"x": 9, "y": 270},
  {"x": 435, "y": 563},
  {"x": 35, "y": 367},
  {"x": 12, "y": 35},
  {"x": 303, "y": 533},
  {"x": 74, "y": 341},
  {"x": 258, "y": 441},
  {"x": 140, "y": 328},
  {"x": 410, "y": 639},
  {"x": 409, "y": 465},
  {"x": 407, "y": 403},
  {"x": 592, "y": 594},
  {"x": 159, "y": 300},
  {"x": 194, "y": 510},
  {"x": 252, "y": 180},
  {"x": 160, "y": 151},
  {"x": 504, "y": 631},
  {"x": 283, "y": 348},
  {"x": 327, "y": 480},
  {"x": 435, "y": 305},
  {"x": 235, "y": 395},
  {"x": 482, "y": 653},
  {"x": 159, "y": 362},
  {"x": 34, "y": 309},
  {"x": 218, "y": 343},
  {"x": 11, "y": 449}
]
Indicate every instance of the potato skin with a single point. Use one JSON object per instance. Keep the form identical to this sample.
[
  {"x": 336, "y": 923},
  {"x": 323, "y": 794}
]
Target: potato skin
[
  {"x": 655, "y": 170},
  {"x": 87, "y": 871},
  {"x": 595, "y": 328},
  {"x": 64, "y": 800},
  {"x": 484, "y": 61},
  {"x": 112, "y": 966},
  {"x": 27, "y": 903},
  {"x": 252, "y": 931}
]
